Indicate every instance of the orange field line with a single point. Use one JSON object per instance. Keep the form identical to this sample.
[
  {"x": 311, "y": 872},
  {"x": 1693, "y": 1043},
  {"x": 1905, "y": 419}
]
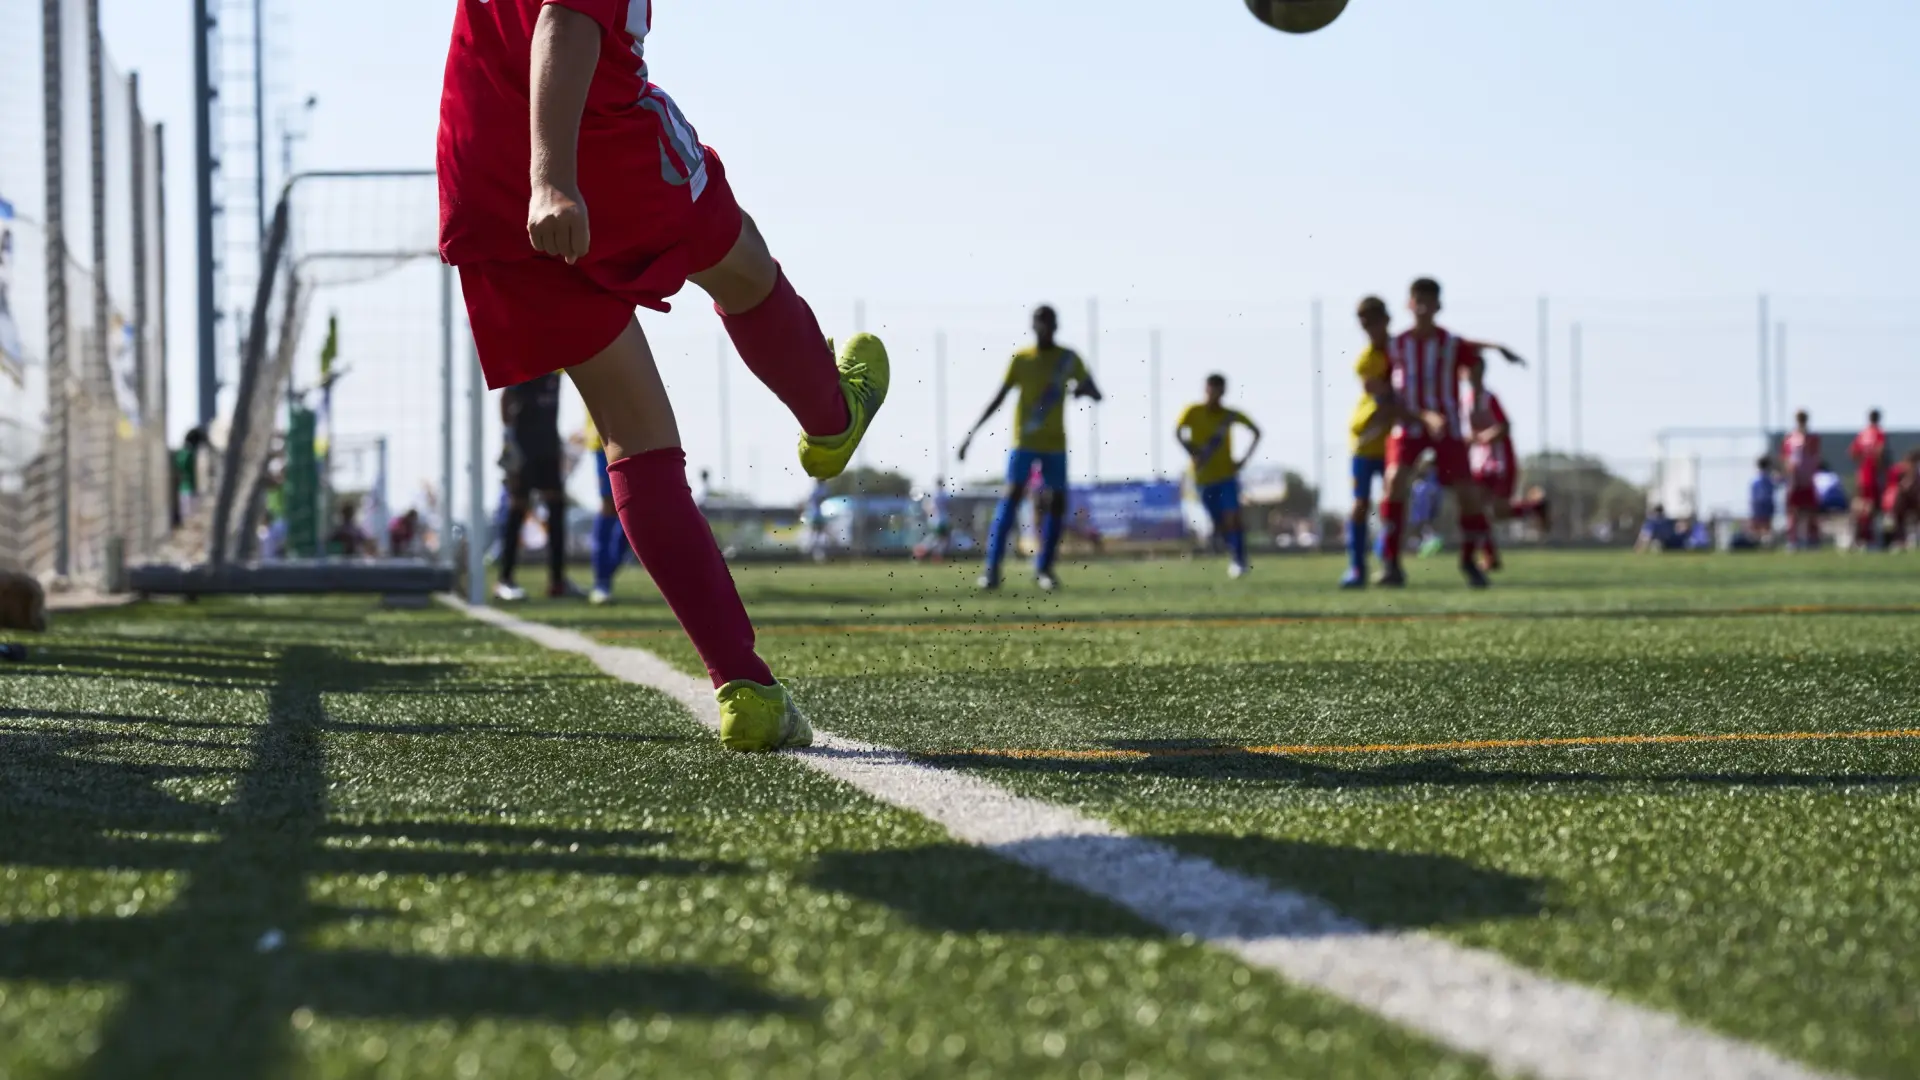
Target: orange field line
[
  {"x": 990, "y": 627},
  {"x": 1411, "y": 748}
]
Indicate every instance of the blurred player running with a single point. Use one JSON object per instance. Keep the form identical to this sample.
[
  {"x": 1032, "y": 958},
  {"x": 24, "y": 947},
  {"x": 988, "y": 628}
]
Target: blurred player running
[
  {"x": 1205, "y": 429},
  {"x": 548, "y": 112},
  {"x": 1800, "y": 452},
  {"x": 1496, "y": 470},
  {"x": 1427, "y": 365},
  {"x": 1373, "y": 418},
  {"x": 1045, "y": 374},
  {"x": 1870, "y": 459}
]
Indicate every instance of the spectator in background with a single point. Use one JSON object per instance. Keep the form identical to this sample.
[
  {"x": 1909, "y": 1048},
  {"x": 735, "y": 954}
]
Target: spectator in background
[
  {"x": 348, "y": 539},
  {"x": 1763, "y": 501},
  {"x": 1657, "y": 532},
  {"x": 532, "y": 458},
  {"x": 1828, "y": 490},
  {"x": 403, "y": 533},
  {"x": 186, "y": 475}
]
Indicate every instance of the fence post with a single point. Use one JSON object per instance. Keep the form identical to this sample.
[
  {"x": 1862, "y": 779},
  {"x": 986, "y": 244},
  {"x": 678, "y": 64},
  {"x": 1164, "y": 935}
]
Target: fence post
[
  {"x": 476, "y": 480},
  {"x": 138, "y": 134},
  {"x": 59, "y": 327},
  {"x": 1319, "y": 422},
  {"x": 446, "y": 417}
]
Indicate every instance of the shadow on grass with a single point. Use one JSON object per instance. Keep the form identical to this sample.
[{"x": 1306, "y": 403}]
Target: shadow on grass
[
  {"x": 1201, "y": 760},
  {"x": 200, "y": 995},
  {"x": 961, "y": 889}
]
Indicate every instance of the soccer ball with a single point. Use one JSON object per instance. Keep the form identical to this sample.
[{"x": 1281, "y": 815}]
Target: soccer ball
[{"x": 1297, "y": 16}]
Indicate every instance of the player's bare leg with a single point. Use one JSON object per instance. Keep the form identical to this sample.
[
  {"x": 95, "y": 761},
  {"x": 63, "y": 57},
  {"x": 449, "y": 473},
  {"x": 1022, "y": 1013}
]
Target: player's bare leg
[
  {"x": 780, "y": 341},
  {"x": 648, "y": 472}
]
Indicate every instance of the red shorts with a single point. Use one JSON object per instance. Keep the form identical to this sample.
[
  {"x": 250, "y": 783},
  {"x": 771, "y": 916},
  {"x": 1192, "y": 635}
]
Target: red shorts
[
  {"x": 1449, "y": 454},
  {"x": 1803, "y": 498},
  {"x": 1867, "y": 486},
  {"x": 535, "y": 315}
]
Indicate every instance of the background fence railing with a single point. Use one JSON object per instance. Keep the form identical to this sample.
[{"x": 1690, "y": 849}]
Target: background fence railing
[{"x": 84, "y": 468}]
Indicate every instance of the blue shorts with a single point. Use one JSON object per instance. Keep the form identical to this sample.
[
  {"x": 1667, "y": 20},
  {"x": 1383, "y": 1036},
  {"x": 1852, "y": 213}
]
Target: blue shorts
[
  {"x": 1365, "y": 471},
  {"x": 606, "y": 482},
  {"x": 1222, "y": 498},
  {"x": 1053, "y": 468}
]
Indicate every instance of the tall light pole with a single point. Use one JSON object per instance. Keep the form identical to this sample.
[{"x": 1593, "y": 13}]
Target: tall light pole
[
  {"x": 1546, "y": 401},
  {"x": 1093, "y": 367},
  {"x": 1154, "y": 437},
  {"x": 1319, "y": 420}
]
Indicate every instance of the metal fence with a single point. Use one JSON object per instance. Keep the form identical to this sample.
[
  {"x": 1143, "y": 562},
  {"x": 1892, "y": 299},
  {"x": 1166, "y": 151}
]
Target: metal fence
[{"x": 84, "y": 469}]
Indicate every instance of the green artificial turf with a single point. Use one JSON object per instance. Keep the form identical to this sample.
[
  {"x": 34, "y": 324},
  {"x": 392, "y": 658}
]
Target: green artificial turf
[
  {"x": 312, "y": 838},
  {"x": 1767, "y": 889}
]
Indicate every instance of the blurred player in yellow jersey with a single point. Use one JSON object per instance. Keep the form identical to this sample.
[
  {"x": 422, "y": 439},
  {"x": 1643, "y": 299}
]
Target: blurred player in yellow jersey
[
  {"x": 1045, "y": 374},
  {"x": 1205, "y": 429},
  {"x": 1373, "y": 418},
  {"x": 609, "y": 540}
]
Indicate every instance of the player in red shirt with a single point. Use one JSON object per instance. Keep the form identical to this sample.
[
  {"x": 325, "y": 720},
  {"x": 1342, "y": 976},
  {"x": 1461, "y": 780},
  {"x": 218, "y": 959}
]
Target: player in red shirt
[
  {"x": 1869, "y": 453},
  {"x": 1496, "y": 469},
  {"x": 1426, "y": 365},
  {"x": 1800, "y": 450},
  {"x": 1900, "y": 500},
  {"x": 547, "y": 111}
]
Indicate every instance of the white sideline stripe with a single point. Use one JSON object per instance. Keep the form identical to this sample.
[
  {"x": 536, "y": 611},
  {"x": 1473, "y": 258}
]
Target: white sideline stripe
[{"x": 1521, "y": 1022}]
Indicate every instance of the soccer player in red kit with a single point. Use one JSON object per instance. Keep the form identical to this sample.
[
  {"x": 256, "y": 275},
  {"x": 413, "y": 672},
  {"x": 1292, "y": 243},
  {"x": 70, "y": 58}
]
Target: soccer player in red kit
[
  {"x": 1496, "y": 469},
  {"x": 1800, "y": 450},
  {"x": 548, "y": 115},
  {"x": 1426, "y": 366},
  {"x": 1900, "y": 499},
  {"x": 1869, "y": 453}
]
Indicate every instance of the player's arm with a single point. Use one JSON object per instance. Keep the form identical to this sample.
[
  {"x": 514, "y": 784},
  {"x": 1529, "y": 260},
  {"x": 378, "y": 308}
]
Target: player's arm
[
  {"x": 1507, "y": 354},
  {"x": 566, "y": 49},
  {"x": 1491, "y": 435},
  {"x": 1247, "y": 422},
  {"x": 999, "y": 399},
  {"x": 1084, "y": 387}
]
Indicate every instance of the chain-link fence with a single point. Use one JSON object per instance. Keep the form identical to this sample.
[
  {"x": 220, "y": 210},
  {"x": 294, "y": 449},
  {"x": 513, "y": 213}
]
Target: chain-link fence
[{"x": 84, "y": 470}]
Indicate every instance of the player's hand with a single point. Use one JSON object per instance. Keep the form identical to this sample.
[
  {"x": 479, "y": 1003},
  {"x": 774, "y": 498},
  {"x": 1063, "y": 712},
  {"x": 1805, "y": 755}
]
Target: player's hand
[
  {"x": 557, "y": 223},
  {"x": 1513, "y": 358},
  {"x": 1436, "y": 423}
]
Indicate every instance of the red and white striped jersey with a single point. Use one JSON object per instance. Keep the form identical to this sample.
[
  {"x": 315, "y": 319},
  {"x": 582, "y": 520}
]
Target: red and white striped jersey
[
  {"x": 1801, "y": 453},
  {"x": 1495, "y": 457},
  {"x": 1427, "y": 371}
]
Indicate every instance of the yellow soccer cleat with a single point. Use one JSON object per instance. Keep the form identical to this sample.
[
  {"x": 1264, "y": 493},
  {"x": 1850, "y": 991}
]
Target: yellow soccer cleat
[
  {"x": 864, "y": 375},
  {"x": 759, "y": 718}
]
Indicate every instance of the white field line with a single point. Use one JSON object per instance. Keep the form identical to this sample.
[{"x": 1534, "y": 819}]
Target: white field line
[{"x": 1520, "y": 1022}]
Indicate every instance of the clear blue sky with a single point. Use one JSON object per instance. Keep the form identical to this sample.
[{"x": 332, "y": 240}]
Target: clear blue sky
[{"x": 1651, "y": 165}]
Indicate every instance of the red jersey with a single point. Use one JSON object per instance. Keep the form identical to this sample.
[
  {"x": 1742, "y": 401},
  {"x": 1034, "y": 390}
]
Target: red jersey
[
  {"x": 1496, "y": 457},
  {"x": 485, "y": 144},
  {"x": 1801, "y": 452},
  {"x": 1426, "y": 374},
  {"x": 1869, "y": 452}
]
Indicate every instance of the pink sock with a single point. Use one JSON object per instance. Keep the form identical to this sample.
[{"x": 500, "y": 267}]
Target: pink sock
[
  {"x": 673, "y": 542},
  {"x": 782, "y": 345}
]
